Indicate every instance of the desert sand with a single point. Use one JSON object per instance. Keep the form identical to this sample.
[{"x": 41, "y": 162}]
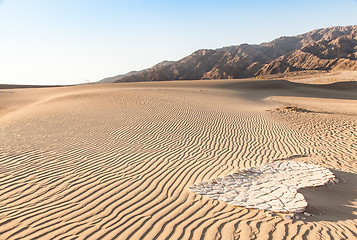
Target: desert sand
[{"x": 115, "y": 161}]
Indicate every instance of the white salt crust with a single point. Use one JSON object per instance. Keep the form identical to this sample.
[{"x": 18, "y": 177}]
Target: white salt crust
[{"x": 270, "y": 187}]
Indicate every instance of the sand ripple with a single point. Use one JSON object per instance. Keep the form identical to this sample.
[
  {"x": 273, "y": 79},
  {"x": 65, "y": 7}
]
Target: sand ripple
[{"x": 116, "y": 163}]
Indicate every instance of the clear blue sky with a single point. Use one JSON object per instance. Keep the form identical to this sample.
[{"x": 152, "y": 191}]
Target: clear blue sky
[{"x": 70, "y": 41}]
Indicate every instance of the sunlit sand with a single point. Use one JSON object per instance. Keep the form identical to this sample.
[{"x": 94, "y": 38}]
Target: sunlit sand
[{"x": 116, "y": 161}]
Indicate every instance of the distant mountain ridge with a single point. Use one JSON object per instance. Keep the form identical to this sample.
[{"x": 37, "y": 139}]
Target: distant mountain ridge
[
  {"x": 333, "y": 48},
  {"x": 118, "y": 78}
]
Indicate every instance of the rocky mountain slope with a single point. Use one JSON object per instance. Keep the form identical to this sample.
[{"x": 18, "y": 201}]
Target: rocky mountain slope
[
  {"x": 118, "y": 78},
  {"x": 333, "y": 48}
]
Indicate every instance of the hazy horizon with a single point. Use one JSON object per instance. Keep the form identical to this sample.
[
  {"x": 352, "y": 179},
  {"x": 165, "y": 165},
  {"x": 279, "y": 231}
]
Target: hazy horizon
[{"x": 67, "y": 42}]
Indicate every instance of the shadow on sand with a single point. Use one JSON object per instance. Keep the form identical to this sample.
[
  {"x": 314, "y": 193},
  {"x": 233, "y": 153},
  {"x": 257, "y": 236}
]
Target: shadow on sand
[
  {"x": 14, "y": 86},
  {"x": 266, "y": 88},
  {"x": 333, "y": 202}
]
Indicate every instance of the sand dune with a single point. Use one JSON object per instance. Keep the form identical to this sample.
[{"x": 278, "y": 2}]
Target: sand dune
[{"x": 115, "y": 161}]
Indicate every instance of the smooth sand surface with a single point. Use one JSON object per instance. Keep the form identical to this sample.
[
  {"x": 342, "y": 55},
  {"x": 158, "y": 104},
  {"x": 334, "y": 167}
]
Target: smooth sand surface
[{"x": 115, "y": 161}]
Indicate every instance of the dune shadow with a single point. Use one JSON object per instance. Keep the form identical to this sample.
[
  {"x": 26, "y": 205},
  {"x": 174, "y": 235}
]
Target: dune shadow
[
  {"x": 14, "y": 86},
  {"x": 333, "y": 202},
  {"x": 266, "y": 88},
  {"x": 5, "y": 92}
]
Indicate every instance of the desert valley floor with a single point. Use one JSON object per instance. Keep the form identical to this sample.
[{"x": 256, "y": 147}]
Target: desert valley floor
[{"x": 114, "y": 161}]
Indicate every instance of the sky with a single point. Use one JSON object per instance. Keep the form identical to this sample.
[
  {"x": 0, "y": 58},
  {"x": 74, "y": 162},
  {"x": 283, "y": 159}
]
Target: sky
[{"x": 55, "y": 42}]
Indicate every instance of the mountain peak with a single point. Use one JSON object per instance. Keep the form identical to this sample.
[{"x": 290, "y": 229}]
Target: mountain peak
[{"x": 332, "y": 48}]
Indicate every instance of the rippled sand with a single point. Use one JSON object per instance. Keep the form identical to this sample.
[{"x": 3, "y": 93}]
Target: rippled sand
[{"x": 115, "y": 161}]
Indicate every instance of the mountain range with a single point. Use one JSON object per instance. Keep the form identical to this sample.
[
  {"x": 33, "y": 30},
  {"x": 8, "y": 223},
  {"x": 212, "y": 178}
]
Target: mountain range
[{"x": 333, "y": 48}]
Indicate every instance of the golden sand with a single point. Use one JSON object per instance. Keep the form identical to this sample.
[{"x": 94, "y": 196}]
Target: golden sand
[{"x": 115, "y": 161}]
